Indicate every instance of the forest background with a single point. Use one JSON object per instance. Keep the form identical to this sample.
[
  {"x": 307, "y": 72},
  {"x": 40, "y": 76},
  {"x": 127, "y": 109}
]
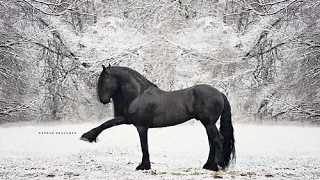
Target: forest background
[{"x": 263, "y": 54}]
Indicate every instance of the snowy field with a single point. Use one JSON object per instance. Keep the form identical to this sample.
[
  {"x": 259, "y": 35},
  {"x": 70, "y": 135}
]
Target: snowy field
[{"x": 263, "y": 152}]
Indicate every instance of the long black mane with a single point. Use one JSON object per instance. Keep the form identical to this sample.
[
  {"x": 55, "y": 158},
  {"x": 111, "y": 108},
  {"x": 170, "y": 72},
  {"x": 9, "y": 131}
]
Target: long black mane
[
  {"x": 120, "y": 104},
  {"x": 136, "y": 75}
]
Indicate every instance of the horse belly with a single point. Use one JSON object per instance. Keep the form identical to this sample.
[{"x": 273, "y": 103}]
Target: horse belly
[{"x": 170, "y": 118}]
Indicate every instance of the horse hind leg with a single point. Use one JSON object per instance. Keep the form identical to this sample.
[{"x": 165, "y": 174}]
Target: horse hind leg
[
  {"x": 218, "y": 141},
  {"x": 215, "y": 144},
  {"x": 209, "y": 164}
]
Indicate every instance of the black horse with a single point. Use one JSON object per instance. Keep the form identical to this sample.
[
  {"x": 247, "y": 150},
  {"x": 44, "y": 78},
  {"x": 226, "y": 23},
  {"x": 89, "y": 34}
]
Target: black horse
[{"x": 139, "y": 102}]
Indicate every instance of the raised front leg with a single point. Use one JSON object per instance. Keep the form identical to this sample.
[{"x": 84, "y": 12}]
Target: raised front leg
[
  {"x": 93, "y": 133},
  {"x": 143, "y": 134}
]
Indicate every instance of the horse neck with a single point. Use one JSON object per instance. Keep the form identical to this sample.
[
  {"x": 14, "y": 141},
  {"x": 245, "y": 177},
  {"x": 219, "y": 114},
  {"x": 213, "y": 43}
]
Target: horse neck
[
  {"x": 119, "y": 104},
  {"x": 132, "y": 78},
  {"x": 131, "y": 86}
]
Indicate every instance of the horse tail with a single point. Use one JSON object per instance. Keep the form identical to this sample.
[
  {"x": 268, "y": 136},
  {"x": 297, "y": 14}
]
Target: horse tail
[{"x": 226, "y": 130}]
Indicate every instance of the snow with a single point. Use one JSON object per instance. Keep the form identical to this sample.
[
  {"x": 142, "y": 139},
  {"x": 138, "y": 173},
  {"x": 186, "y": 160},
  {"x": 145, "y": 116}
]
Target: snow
[{"x": 179, "y": 152}]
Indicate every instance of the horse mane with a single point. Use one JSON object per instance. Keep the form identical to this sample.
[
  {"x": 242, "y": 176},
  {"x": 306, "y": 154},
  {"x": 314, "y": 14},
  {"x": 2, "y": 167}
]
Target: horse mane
[
  {"x": 136, "y": 75},
  {"x": 120, "y": 105}
]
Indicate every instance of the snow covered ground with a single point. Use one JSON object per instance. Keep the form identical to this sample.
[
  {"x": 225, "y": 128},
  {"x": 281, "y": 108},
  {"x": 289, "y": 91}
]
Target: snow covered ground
[{"x": 263, "y": 152}]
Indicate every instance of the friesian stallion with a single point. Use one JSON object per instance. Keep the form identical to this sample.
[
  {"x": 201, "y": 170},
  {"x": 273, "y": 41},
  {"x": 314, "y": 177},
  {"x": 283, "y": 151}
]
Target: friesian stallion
[{"x": 139, "y": 102}]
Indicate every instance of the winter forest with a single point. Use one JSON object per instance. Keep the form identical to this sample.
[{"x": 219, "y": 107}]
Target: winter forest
[{"x": 263, "y": 54}]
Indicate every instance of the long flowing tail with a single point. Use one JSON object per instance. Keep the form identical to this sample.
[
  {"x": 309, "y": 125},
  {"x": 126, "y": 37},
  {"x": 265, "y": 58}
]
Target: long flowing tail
[{"x": 226, "y": 130}]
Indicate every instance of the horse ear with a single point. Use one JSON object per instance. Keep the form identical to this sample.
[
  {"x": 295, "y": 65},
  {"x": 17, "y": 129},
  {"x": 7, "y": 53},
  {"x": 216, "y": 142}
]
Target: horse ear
[{"x": 106, "y": 69}]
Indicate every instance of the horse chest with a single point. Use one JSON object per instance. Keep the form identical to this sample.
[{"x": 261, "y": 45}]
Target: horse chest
[{"x": 141, "y": 111}]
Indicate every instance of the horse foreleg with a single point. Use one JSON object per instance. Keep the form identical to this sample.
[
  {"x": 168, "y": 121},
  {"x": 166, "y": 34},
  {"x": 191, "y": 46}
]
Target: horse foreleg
[
  {"x": 93, "y": 133},
  {"x": 143, "y": 134}
]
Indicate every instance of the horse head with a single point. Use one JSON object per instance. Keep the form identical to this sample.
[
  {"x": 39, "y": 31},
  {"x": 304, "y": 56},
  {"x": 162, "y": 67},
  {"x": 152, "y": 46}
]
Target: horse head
[{"x": 107, "y": 85}]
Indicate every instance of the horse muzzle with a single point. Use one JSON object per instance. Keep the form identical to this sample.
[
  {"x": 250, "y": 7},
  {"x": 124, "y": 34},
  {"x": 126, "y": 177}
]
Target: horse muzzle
[{"x": 105, "y": 101}]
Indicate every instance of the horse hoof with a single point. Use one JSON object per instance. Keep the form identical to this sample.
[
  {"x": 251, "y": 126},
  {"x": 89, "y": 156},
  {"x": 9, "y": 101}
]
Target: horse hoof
[
  {"x": 211, "y": 167},
  {"x": 84, "y": 139},
  {"x": 206, "y": 166},
  {"x": 222, "y": 166},
  {"x": 143, "y": 167},
  {"x": 88, "y": 139}
]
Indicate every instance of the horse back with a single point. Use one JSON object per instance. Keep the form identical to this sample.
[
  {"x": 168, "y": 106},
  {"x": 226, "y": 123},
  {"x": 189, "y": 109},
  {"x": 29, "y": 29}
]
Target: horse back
[{"x": 157, "y": 108}]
